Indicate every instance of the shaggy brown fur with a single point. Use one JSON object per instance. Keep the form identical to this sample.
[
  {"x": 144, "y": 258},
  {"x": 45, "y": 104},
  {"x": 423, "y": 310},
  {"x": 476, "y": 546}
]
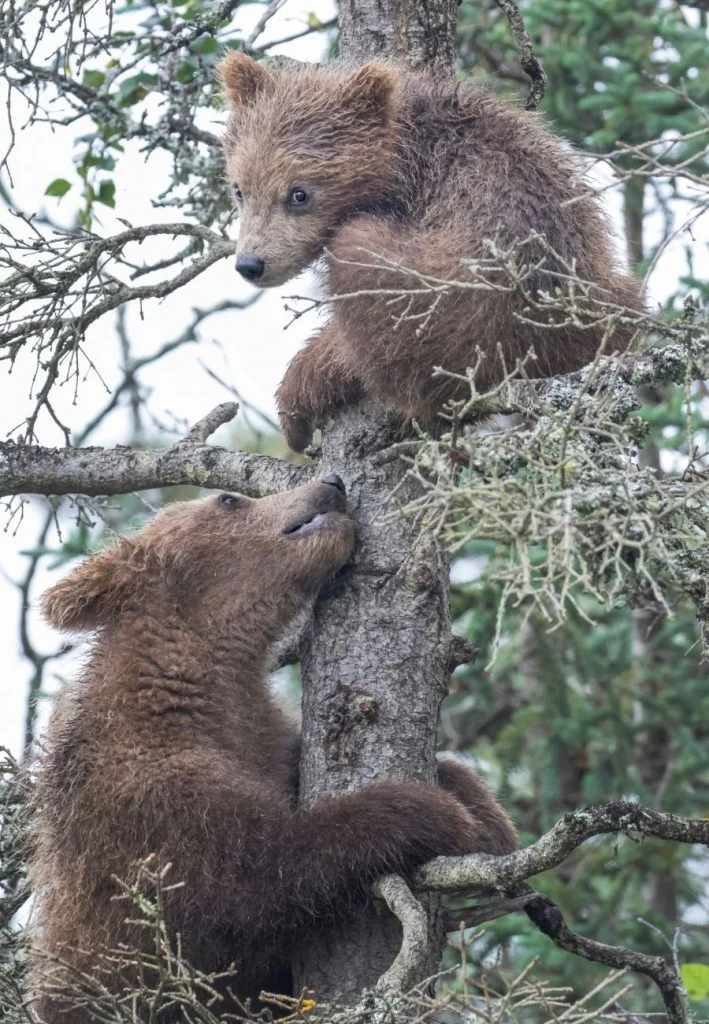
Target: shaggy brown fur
[
  {"x": 170, "y": 744},
  {"x": 421, "y": 172}
]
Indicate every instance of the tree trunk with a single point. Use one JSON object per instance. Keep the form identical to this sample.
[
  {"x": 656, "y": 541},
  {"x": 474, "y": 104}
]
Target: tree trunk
[
  {"x": 419, "y": 32},
  {"x": 377, "y": 666},
  {"x": 373, "y": 679}
]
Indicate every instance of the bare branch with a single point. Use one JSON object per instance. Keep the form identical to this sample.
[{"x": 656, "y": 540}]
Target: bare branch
[
  {"x": 484, "y": 872},
  {"x": 31, "y": 469},
  {"x": 472, "y": 917},
  {"x": 461, "y": 652},
  {"x": 57, "y": 288},
  {"x": 624, "y": 817},
  {"x": 528, "y": 60},
  {"x": 211, "y": 422},
  {"x": 548, "y": 919},
  {"x": 410, "y": 963}
]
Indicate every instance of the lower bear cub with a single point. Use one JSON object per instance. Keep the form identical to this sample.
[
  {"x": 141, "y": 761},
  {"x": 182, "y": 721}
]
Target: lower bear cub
[{"x": 170, "y": 744}]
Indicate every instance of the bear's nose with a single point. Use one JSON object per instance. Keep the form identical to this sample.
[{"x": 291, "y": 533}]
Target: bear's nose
[
  {"x": 250, "y": 267},
  {"x": 335, "y": 481}
]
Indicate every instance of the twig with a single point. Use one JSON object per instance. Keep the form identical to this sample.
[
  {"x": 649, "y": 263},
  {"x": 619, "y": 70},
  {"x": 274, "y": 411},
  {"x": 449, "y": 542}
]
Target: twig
[
  {"x": 211, "y": 422},
  {"x": 530, "y": 63}
]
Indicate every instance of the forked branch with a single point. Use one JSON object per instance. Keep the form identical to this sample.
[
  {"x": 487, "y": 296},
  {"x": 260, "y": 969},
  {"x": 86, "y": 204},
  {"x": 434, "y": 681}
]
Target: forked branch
[{"x": 483, "y": 872}]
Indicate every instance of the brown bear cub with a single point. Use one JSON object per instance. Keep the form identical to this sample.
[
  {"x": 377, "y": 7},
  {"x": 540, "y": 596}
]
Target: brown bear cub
[
  {"x": 170, "y": 744},
  {"x": 394, "y": 174}
]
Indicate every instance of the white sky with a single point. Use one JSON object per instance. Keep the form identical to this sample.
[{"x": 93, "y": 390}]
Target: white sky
[{"x": 252, "y": 351}]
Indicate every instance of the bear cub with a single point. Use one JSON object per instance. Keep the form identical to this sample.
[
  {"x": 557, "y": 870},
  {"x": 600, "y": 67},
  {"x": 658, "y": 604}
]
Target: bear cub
[
  {"x": 170, "y": 744},
  {"x": 397, "y": 177}
]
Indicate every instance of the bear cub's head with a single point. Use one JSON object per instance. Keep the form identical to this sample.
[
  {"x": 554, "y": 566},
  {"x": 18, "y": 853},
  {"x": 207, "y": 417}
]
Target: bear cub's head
[
  {"x": 305, "y": 149},
  {"x": 222, "y": 556}
]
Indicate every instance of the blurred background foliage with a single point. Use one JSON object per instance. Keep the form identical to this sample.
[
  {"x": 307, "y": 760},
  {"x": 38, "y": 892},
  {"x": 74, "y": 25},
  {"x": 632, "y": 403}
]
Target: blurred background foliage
[{"x": 589, "y": 714}]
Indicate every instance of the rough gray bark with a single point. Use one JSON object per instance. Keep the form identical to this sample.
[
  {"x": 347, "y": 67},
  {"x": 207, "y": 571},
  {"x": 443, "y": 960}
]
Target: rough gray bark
[
  {"x": 377, "y": 666},
  {"x": 33, "y": 469},
  {"x": 374, "y": 675},
  {"x": 420, "y": 32}
]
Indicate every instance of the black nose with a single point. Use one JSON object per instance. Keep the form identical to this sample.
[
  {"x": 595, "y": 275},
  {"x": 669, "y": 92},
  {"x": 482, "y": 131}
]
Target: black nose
[
  {"x": 250, "y": 267},
  {"x": 334, "y": 481}
]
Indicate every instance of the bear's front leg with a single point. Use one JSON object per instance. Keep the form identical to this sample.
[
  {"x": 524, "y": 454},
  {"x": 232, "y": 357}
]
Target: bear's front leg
[
  {"x": 317, "y": 381},
  {"x": 469, "y": 788}
]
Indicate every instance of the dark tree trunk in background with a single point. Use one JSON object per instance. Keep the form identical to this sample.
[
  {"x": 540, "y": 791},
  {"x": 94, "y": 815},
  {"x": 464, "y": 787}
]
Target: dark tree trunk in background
[
  {"x": 376, "y": 670},
  {"x": 655, "y": 758}
]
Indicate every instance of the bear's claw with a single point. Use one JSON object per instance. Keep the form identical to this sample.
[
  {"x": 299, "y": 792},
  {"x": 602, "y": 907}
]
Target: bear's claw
[{"x": 298, "y": 430}]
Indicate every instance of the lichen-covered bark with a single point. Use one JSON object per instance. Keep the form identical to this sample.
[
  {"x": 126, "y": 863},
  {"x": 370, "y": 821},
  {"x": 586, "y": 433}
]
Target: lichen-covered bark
[{"x": 374, "y": 675}]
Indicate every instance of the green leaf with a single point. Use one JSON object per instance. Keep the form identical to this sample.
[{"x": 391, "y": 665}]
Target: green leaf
[
  {"x": 205, "y": 44},
  {"x": 185, "y": 73},
  {"x": 104, "y": 161},
  {"x": 107, "y": 193},
  {"x": 59, "y": 187},
  {"x": 94, "y": 79},
  {"x": 133, "y": 89},
  {"x": 696, "y": 980}
]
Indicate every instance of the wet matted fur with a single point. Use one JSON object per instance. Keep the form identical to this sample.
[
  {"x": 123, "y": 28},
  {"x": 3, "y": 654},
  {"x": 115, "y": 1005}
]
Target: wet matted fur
[
  {"x": 424, "y": 173},
  {"x": 170, "y": 744}
]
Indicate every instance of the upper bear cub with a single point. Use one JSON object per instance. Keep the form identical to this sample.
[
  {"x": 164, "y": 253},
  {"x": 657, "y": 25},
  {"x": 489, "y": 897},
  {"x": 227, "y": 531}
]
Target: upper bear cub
[
  {"x": 392, "y": 170},
  {"x": 170, "y": 744}
]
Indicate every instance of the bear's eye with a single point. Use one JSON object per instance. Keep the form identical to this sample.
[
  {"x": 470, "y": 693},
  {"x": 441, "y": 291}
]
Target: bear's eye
[
  {"x": 299, "y": 196},
  {"x": 238, "y": 194},
  {"x": 229, "y": 501}
]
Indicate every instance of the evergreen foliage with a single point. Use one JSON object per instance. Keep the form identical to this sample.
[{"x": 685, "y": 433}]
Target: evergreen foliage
[{"x": 586, "y": 713}]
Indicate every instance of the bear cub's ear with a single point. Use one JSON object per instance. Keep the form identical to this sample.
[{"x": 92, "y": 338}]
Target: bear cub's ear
[
  {"x": 241, "y": 79},
  {"x": 370, "y": 90},
  {"x": 94, "y": 592}
]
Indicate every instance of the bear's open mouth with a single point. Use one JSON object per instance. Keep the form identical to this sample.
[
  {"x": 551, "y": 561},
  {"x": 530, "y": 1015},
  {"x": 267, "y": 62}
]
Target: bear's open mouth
[{"x": 317, "y": 521}]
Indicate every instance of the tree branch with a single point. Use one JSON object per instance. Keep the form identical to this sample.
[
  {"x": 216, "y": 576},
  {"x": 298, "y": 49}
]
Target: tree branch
[
  {"x": 528, "y": 60},
  {"x": 412, "y": 958},
  {"x": 473, "y": 917},
  {"x": 205, "y": 427},
  {"x": 483, "y": 871},
  {"x": 547, "y": 917},
  {"x": 32, "y": 469},
  {"x": 56, "y": 288},
  {"x": 461, "y": 652},
  {"x": 608, "y": 373}
]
